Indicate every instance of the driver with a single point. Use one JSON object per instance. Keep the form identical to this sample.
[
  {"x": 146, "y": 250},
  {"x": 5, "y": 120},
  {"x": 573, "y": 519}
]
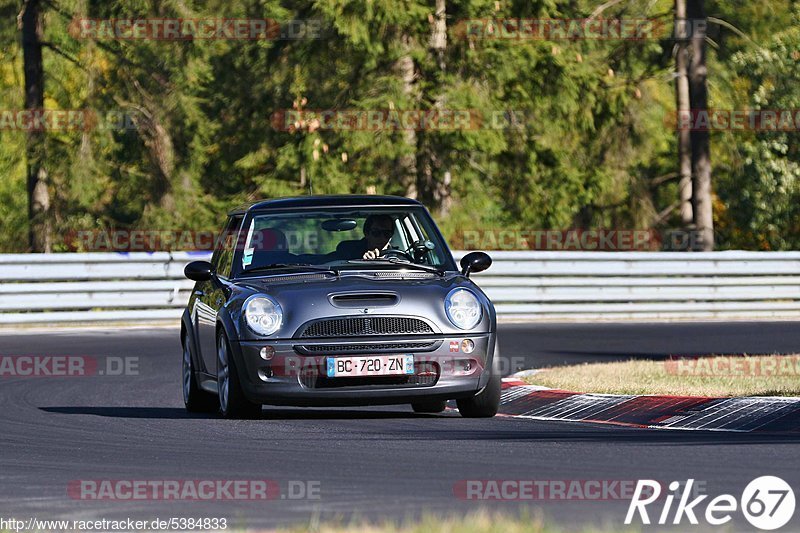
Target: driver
[{"x": 378, "y": 232}]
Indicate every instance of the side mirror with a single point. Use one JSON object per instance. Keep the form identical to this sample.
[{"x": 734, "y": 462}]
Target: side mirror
[
  {"x": 475, "y": 262},
  {"x": 199, "y": 271}
]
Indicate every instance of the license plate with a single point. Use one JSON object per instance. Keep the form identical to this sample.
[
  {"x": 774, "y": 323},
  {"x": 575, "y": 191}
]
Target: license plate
[{"x": 370, "y": 365}]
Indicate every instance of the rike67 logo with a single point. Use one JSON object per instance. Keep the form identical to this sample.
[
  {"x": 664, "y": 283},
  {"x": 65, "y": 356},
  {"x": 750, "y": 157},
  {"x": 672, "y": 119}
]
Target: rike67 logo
[{"x": 767, "y": 503}]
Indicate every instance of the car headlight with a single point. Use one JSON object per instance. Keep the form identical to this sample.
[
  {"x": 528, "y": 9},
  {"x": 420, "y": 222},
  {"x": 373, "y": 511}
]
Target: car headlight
[
  {"x": 263, "y": 314},
  {"x": 463, "y": 308}
]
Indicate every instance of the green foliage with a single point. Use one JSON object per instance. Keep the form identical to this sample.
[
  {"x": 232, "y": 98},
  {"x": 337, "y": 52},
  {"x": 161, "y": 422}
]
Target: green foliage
[
  {"x": 573, "y": 132},
  {"x": 762, "y": 196}
]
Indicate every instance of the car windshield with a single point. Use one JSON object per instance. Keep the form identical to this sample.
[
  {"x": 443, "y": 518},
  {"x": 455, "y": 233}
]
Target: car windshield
[{"x": 342, "y": 239}]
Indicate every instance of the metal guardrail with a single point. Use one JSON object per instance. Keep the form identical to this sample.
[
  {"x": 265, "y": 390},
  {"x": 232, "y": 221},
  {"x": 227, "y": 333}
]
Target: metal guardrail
[
  {"x": 644, "y": 285},
  {"x": 95, "y": 287}
]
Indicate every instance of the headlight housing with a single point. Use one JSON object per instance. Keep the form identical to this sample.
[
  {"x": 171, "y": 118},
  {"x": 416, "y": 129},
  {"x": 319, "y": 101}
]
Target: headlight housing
[
  {"x": 263, "y": 314},
  {"x": 463, "y": 308}
]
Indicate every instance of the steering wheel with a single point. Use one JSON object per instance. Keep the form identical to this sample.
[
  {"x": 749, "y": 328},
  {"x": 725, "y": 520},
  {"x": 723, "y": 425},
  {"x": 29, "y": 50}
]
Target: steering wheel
[{"x": 399, "y": 254}]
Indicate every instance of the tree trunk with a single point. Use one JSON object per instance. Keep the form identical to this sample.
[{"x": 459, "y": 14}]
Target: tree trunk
[
  {"x": 433, "y": 189},
  {"x": 407, "y": 165},
  {"x": 39, "y": 215},
  {"x": 441, "y": 187},
  {"x": 683, "y": 108},
  {"x": 438, "y": 41},
  {"x": 701, "y": 152}
]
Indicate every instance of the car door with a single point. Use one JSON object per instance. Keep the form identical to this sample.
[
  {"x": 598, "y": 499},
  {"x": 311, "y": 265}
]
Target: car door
[{"x": 211, "y": 294}]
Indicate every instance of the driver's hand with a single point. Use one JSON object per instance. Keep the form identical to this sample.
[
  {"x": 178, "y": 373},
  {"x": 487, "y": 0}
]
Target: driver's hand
[{"x": 372, "y": 254}]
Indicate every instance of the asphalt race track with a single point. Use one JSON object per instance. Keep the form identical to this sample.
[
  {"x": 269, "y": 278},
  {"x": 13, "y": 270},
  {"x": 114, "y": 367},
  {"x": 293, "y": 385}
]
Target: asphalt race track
[{"x": 371, "y": 462}]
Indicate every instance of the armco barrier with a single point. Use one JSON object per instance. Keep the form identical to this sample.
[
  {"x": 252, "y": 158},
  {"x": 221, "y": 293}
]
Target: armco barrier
[
  {"x": 37, "y": 288},
  {"x": 93, "y": 287}
]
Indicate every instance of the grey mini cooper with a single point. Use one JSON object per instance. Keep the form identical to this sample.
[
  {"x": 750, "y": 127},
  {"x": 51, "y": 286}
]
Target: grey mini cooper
[{"x": 337, "y": 301}]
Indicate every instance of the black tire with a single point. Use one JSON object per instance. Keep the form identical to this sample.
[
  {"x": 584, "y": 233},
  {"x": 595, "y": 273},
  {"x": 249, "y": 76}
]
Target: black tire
[
  {"x": 433, "y": 406},
  {"x": 232, "y": 401},
  {"x": 486, "y": 403},
  {"x": 195, "y": 399}
]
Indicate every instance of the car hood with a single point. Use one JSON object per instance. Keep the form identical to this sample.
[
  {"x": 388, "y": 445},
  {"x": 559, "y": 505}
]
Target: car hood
[{"x": 309, "y": 297}]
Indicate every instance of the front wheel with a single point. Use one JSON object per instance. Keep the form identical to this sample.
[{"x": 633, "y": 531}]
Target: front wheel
[
  {"x": 486, "y": 403},
  {"x": 232, "y": 401}
]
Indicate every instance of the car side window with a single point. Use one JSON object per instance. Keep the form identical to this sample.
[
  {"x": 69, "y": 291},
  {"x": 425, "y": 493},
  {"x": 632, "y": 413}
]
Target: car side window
[{"x": 226, "y": 246}]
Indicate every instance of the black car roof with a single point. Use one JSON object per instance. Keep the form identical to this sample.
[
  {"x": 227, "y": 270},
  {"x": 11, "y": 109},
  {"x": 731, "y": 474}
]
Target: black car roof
[{"x": 336, "y": 200}]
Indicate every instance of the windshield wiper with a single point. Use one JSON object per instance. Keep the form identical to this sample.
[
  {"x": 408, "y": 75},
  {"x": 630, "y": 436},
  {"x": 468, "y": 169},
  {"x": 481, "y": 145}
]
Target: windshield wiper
[
  {"x": 399, "y": 262},
  {"x": 290, "y": 266}
]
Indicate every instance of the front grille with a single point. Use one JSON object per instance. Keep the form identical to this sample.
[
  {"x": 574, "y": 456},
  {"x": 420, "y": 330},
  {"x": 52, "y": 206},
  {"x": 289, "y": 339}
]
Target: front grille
[
  {"x": 368, "y": 348},
  {"x": 365, "y": 326}
]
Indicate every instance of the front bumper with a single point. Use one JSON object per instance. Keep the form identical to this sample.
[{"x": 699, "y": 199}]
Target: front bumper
[{"x": 295, "y": 372}]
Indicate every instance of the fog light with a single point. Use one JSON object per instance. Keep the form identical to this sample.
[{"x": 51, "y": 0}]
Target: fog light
[
  {"x": 467, "y": 346},
  {"x": 267, "y": 353}
]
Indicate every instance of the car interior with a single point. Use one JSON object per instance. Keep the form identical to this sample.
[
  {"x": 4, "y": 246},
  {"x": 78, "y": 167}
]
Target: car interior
[{"x": 322, "y": 241}]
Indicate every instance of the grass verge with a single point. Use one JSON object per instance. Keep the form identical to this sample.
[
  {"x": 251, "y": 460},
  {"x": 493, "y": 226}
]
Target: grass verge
[
  {"x": 474, "y": 522},
  {"x": 718, "y": 376}
]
